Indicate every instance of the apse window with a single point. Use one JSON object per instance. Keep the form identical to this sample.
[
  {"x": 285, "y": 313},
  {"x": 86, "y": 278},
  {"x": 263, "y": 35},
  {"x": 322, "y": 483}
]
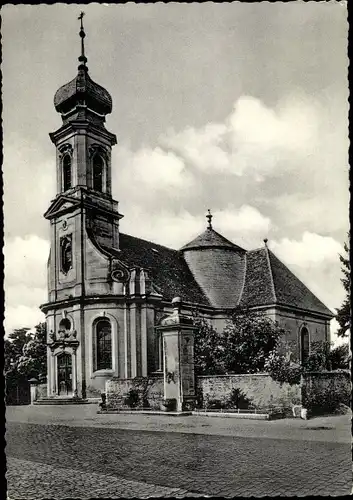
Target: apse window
[
  {"x": 66, "y": 253},
  {"x": 98, "y": 171},
  {"x": 66, "y": 166}
]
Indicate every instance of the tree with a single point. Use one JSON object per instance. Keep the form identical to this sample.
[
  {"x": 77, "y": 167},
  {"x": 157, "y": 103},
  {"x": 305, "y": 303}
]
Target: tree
[
  {"x": 25, "y": 353},
  {"x": 13, "y": 347},
  {"x": 343, "y": 315},
  {"x": 207, "y": 349},
  {"x": 340, "y": 357},
  {"x": 33, "y": 362},
  {"x": 243, "y": 347},
  {"x": 248, "y": 340}
]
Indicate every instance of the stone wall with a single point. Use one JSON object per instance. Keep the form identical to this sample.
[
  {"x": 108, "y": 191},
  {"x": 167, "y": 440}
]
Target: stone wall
[
  {"x": 260, "y": 389},
  {"x": 150, "y": 392}
]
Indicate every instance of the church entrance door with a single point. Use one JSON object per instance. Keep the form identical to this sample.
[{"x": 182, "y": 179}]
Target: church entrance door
[{"x": 65, "y": 374}]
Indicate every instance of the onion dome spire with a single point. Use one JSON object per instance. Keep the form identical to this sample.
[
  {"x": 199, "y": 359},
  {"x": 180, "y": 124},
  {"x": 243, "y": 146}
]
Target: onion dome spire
[
  {"x": 82, "y": 98},
  {"x": 82, "y": 58}
]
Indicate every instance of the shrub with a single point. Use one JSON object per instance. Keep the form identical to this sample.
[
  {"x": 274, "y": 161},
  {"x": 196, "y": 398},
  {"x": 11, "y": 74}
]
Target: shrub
[
  {"x": 328, "y": 398},
  {"x": 132, "y": 399},
  {"x": 215, "y": 404},
  {"x": 199, "y": 397},
  {"x": 238, "y": 399},
  {"x": 169, "y": 404},
  {"x": 282, "y": 370}
]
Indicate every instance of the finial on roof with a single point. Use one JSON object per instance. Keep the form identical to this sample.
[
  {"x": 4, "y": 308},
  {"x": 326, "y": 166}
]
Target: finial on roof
[
  {"x": 209, "y": 218},
  {"x": 82, "y": 58},
  {"x": 265, "y": 241}
]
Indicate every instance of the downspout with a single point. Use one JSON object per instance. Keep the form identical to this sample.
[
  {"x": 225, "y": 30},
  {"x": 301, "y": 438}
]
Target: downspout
[{"x": 82, "y": 304}]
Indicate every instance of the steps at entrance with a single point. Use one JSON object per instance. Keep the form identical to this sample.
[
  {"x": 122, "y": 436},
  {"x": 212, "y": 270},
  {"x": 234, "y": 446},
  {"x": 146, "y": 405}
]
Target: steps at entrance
[{"x": 61, "y": 401}]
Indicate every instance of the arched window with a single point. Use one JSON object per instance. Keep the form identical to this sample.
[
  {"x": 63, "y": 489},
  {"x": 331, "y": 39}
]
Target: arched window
[
  {"x": 104, "y": 344},
  {"x": 66, "y": 172},
  {"x": 66, "y": 254},
  {"x": 98, "y": 171},
  {"x": 304, "y": 344}
]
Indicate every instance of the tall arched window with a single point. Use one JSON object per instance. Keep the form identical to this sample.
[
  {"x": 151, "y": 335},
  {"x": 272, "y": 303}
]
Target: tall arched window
[
  {"x": 66, "y": 166},
  {"x": 104, "y": 344},
  {"x": 98, "y": 171},
  {"x": 66, "y": 254},
  {"x": 304, "y": 344}
]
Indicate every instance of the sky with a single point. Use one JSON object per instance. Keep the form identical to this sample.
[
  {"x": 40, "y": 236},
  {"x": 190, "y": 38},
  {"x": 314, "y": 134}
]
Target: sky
[{"x": 237, "y": 107}]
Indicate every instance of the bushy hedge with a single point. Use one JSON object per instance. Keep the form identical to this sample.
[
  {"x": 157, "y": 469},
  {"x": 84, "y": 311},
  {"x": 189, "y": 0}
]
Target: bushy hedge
[{"x": 327, "y": 398}]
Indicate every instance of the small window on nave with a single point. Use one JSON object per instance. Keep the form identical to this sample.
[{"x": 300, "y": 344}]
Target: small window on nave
[
  {"x": 66, "y": 166},
  {"x": 66, "y": 254},
  {"x": 98, "y": 171}
]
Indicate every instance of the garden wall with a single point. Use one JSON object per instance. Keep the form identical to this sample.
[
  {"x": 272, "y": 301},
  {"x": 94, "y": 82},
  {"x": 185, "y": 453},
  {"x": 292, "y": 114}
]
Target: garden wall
[
  {"x": 147, "y": 393},
  {"x": 259, "y": 389}
]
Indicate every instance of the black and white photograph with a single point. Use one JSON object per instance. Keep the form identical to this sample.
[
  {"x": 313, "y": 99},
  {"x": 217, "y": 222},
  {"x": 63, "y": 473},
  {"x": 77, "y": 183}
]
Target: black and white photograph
[{"x": 176, "y": 250}]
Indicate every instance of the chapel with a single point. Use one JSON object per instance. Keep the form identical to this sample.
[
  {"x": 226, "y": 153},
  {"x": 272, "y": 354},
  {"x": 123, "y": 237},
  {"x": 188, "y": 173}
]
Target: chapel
[{"x": 108, "y": 291}]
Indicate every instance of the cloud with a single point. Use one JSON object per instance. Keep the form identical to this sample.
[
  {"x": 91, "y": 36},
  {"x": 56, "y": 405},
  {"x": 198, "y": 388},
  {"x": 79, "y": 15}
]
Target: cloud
[
  {"x": 312, "y": 250},
  {"x": 253, "y": 140},
  {"x": 22, "y": 316},
  {"x": 25, "y": 261},
  {"x": 314, "y": 259},
  {"x": 25, "y": 281}
]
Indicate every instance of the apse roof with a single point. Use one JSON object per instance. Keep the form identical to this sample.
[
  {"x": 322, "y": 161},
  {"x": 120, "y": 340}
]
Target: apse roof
[
  {"x": 211, "y": 239},
  {"x": 268, "y": 281}
]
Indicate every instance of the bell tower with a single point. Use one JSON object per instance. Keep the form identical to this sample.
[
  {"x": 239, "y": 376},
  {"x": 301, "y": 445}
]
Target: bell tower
[
  {"x": 83, "y": 202},
  {"x": 84, "y": 223}
]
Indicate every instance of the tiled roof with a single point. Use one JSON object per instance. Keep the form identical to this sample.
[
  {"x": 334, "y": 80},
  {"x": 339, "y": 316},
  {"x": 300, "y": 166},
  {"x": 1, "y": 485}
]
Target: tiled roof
[
  {"x": 258, "y": 289},
  {"x": 210, "y": 239},
  {"x": 167, "y": 268},
  {"x": 269, "y": 281}
]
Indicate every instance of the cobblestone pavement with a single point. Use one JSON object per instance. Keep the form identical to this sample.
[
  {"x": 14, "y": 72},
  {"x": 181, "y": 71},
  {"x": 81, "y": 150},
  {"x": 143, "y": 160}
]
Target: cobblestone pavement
[
  {"x": 35, "y": 480},
  {"x": 206, "y": 464}
]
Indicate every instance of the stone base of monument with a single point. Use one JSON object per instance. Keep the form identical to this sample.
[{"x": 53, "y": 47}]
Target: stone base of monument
[
  {"x": 149, "y": 412},
  {"x": 228, "y": 414}
]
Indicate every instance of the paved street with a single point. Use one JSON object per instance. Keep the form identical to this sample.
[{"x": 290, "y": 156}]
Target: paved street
[{"x": 77, "y": 461}]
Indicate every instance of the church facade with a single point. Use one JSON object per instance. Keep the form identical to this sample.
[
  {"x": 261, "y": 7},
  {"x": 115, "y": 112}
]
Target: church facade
[{"x": 108, "y": 291}]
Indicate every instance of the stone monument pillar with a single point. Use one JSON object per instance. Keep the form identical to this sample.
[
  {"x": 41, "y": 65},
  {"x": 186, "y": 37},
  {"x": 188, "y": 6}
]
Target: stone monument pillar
[{"x": 178, "y": 356}]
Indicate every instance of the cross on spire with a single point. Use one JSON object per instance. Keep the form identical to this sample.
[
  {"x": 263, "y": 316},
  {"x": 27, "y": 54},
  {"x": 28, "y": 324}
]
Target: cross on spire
[
  {"x": 209, "y": 218},
  {"x": 82, "y": 34}
]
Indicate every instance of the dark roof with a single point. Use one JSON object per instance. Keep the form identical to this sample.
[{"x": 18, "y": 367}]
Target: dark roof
[
  {"x": 82, "y": 87},
  {"x": 269, "y": 281},
  {"x": 167, "y": 268},
  {"x": 211, "y": 239},
  {"x": 258, "y": 288}
]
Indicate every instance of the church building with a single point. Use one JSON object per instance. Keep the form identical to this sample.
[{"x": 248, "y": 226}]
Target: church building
[{"x": 108, "y": 291}]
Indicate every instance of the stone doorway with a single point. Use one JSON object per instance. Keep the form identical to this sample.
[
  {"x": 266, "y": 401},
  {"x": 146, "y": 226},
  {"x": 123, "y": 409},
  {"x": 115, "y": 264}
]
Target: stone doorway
[{"x": 64, "y": 374}]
